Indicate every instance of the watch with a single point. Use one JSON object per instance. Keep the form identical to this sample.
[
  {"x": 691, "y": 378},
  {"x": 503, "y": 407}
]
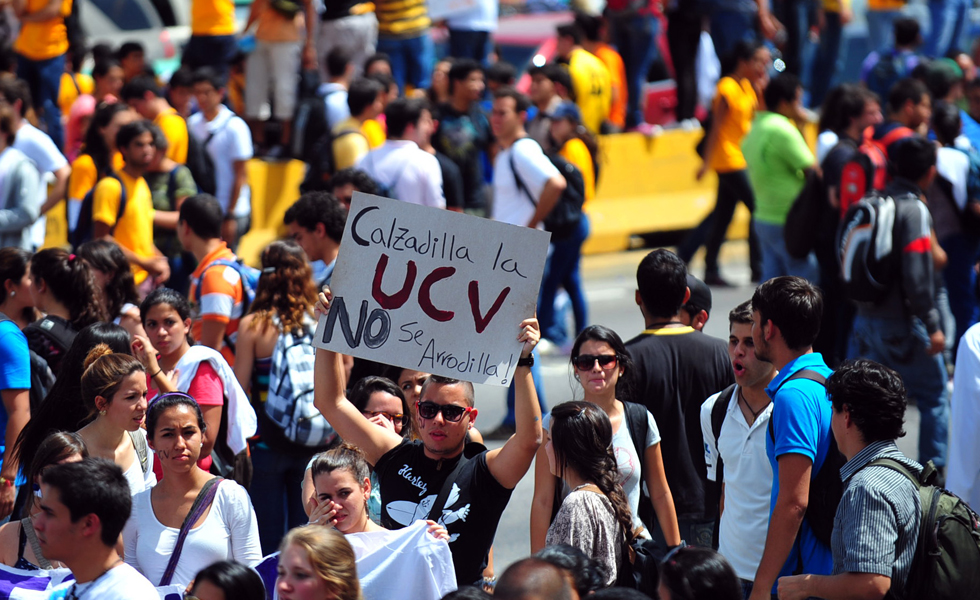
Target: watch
[{"x": 526, "y": 362}]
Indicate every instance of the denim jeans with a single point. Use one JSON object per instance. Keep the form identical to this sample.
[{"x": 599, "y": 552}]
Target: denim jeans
[
  {"x": 881, "y": 28},
  {"x": 795, "y": 17},
  {"x": 693, "y": 533},
  {"x": 962, "y": 252},
  {"x": 730, "y": 26},
  {"x": 215, "y": 51},
  {"x": 635, "y": 37},
  {"x": 411, "y": 60},
  {"x": 278, "y": 501},
  {"x": 511, "y": 417},
  {"x": 827, "y": 63},
  {"x": 776, "y": 260},
  {"x": 469, "y": 44},
  {"x": 563, "y": 270},
  {"x": 44, "y": 79},
  {"x": 949, "y": 28},
  {"x": 900, "y": 343}
]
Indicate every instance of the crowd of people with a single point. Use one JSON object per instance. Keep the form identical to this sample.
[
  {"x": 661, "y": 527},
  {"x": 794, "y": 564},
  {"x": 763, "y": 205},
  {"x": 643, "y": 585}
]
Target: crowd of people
[{"x": 167, "y": 422}]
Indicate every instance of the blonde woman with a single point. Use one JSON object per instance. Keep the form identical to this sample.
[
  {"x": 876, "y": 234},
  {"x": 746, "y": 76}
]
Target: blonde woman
[{"x": 317, "y": 563}]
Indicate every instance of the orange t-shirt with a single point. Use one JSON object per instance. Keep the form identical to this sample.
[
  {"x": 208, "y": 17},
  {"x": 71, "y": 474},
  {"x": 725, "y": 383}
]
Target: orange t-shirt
[
  {"x": 41, "y": 40},
  {"x": 212, "y": 17},
  {"x": 219, "y": 299},
  {"x": 617, "y": 77}
]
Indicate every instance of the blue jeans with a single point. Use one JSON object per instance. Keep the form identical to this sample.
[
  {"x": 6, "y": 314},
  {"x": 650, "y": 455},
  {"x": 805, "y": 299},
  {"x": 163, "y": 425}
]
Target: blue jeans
[
  {"x": 635, "y": 37},
  {"x": 411, "y": 60},
  {"x": 511, "y": 417},
  {"x": 881, "y": 28},
  {"x": 563, "y": 270},
  {"x": 276, "y": 494},
  {"x": 776, "y": 260},
  {"x": 901, "y": 343},
  {"x": 730, "y": 26},
  {"x": 44, "y": 79},
  {"x": 949, "y": 26},
  {"x": 827, "y": 62},
  {"x": 693, "y": 533},
  {"x": 215, "y": 51},
  {"x": 469, "y": 44},
  {"x": 962, "y": 252}
]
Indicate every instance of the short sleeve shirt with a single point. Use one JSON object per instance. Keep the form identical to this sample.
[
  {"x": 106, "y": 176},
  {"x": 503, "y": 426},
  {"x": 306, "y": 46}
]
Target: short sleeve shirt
[
  {"x": 410, "y": 483},
  {"x": 216, "y": 294},
  {"x": 593, "y": 88},
  {"x": 511, "y": 204},
  {"x": 175, "y": 130},
  {"x": 463, "y": 137},
  {"x": 576, "y": 152},
  {"x": 349, "y": 144},
  {"x": 741, "y": 100},
  {"x": 232, "y": 142},
  {"x": 134, "y": 229},
  {"x": 15, "y": 365},
  {"x": 777, "y": 156},
  {"x": 84, "y": 175},
  {"x": 212, "y": 17},
  {"x": 412, "y": 174},
  {"x": 41, "y": 40}
]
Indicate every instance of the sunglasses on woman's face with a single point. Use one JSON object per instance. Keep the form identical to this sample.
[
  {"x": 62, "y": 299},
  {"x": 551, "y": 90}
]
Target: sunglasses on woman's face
[
  {"x": 584, "y": 362},
  {"x": 450, "y": 412}
]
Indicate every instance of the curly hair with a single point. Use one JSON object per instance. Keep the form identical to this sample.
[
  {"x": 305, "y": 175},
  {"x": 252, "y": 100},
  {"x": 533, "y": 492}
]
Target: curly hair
[
  {"x": 108, "y": 257},
  {"x": 285, "y": 289}
]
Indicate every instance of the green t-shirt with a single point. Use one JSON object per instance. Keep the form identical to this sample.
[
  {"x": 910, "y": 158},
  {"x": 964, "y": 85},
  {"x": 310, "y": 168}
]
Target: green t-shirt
[
  {"x": 163, "y": 193},
  {"x": 776, "y": 156}
]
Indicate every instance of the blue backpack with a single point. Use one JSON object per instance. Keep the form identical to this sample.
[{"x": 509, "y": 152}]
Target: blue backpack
[{"x": 250, "y": 282}]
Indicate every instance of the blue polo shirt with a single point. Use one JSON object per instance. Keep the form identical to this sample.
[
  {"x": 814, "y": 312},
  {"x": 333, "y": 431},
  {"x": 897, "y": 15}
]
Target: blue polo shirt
[
  {"x": 801, "y": 425},
  {"x": 15, "y": 367}
]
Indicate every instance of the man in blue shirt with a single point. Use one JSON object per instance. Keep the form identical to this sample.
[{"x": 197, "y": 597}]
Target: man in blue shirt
[
  {"x": 15, "y": 386},
  {"x": 786, "y": 315}
]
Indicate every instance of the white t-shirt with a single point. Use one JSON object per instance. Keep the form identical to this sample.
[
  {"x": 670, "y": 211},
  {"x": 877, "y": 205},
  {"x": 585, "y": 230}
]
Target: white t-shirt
[
  {"x": 232, "y": 142},
  {"x": 748, "y": 483},
  {"x": 122, "y": 582},
  {"x": 404, "y": 563},
  {"x": 482, "y": 17},
  {"x": 954, "y": 165},
  {"x": 412, "y": 174},
  {"x": 229, "y": 532},
  {"x": 335, "y": 98},
  {"x": 137, "y": 479},
  {"x": 627, "y": 461},
  {"x": 963, "y": 471},
  {"x": 510, "y": 204},
  {"x": 825, "y": 143},
  {"x": 41, "y": 149}
]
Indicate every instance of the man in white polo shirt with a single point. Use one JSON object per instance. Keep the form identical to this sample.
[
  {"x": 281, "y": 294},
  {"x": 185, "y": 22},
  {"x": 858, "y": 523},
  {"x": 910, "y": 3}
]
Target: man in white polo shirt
[
  {"x": 735, "y": 453},
  {"x": 401, "y": 169}
]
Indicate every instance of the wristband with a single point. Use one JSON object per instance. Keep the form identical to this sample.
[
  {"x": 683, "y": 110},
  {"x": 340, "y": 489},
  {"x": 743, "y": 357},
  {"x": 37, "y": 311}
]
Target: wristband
[
  {"x": 527, "y": 361},
  {"x": 157, "y": 373},
  {"x": 6, "y": 482}
]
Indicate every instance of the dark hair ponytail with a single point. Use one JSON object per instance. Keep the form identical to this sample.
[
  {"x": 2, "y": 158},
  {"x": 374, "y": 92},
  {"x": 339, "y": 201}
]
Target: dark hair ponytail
[{"x": 70, "y": 280}]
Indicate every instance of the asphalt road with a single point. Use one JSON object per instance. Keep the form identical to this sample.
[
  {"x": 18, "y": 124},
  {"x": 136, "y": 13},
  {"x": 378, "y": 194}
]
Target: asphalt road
[{"x": 610, "y": 282}]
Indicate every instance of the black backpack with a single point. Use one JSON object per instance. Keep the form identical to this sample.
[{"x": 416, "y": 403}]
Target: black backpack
[
  {"x": 313, "y": 140},
  {"x": 805, "y": 216},
  {"x": 42, "y": 379},
  {"x": 826, "y": 488},
  {"x": 201, "y": 164},
  {"x": 946, "y": 565},
  {"x": 85, "y": 228},
  {"x": 565, "y": 216},
  {"x": 866, "y": 247}
]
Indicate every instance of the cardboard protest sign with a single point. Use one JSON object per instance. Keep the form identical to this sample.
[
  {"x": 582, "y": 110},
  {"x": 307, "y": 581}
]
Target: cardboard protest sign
[
  {"x": 443, "y": 9},
  {"x": 433, "y": 290}
]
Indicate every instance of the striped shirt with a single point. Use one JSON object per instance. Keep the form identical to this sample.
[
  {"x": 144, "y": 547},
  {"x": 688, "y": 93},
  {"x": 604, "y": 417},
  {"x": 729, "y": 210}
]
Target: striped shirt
[
  {"x": 221, "y": 297},
  {"x": 402, "y": 18},
  {"x": 877, "y": 522}
]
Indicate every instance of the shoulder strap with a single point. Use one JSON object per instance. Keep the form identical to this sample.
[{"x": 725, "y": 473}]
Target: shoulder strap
[
  {"x": 436, "y": 511},
  {"x": 204, "y": 499},
  {"x": 719, "y": 410},
  {"x": 172, "y": 187},
  {"x": 517, "y": 178},
  {"x": 139, "y": 444},
  {"x": 635, "y": 416},
  {"x": 808, "y": 374},
  {"x": 27, "y": 530},
  {"x": 894, "y": 465},
  {"x": 122, "y": 202}
]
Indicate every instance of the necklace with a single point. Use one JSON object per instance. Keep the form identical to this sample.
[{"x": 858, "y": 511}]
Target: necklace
[
  {"x": 73, "y": 593},
  {"x": 755, "y": 413}
]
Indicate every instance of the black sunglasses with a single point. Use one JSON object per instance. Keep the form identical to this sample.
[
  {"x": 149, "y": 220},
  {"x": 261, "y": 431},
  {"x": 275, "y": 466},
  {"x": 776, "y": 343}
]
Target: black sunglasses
[
  {"x": 450, "y": 412},
  {"x": 584, "y": 362}
]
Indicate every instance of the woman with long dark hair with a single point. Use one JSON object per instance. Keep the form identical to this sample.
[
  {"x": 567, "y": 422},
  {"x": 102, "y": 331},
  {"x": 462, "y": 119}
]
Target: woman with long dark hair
[
  {"x": 695, "y": 573},
  {"x": 63, "y": 288},
  {"x": 595, "y": 516},
  {"x": 62, "y": 408},
  {"x": 227, "y": 580},
  {"x": 16, "y": 303},
  {"x": 603, "y": 367},
  {"x": 114, "y": 276}
]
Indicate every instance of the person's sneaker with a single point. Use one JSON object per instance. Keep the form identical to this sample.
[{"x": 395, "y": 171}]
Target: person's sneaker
[
  {"x": 715, "y": 280},
  {"x": 501, "y": 433}
]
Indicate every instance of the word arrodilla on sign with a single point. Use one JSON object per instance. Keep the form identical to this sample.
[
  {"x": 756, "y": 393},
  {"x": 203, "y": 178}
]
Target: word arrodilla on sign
[{"x": 433, "y": 290}]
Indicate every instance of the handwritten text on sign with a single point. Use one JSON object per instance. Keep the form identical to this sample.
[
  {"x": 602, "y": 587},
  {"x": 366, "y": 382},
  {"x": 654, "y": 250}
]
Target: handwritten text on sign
[{"x": 433, "y": 290}]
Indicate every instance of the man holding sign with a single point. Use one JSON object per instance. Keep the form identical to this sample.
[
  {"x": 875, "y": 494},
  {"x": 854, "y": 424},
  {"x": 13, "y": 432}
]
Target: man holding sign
[{"x": 462, "y": 486}]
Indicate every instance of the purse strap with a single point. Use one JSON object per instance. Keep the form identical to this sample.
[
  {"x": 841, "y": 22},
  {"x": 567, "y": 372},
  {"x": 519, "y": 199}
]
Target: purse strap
[{"x": 203, "y": 501}]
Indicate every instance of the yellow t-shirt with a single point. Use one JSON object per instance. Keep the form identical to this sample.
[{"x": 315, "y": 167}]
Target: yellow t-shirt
[
  {"x": 374, "y": 133},
  {"x": 213, "y": 17},
  {"x": 593, "y": 88},
  {"x": 402, "y": 18},
  {"x": 885, "y": 4},
  {"x": 836, "y": 6},
  {"x": 84, "y": 175},
  {"x": 617, "y": 77},
  {"x": 71, "y": 90},
  {"x": 175, "y": 130},
  {"x": 576, "y": 152},
  {"x": 741, "y": 99},
  {"x": 349, "y": 144},
  {"x": 134, "y": 230},
  {"x": 41, "y": 40}
]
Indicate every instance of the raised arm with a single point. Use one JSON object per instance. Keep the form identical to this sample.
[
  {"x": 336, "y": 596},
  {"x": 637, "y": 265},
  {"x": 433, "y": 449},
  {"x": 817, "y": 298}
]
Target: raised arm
[
  {"x": 330, "y": 399},
  {"x": 542, "y": 503},
  {"x": 509, "y": 463}
]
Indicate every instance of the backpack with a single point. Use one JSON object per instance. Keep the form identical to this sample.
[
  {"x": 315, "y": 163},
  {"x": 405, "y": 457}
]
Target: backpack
[
  {"x": 142, "y": 450},
  {"x": 968, "y": 220},
  {"x": 42, "y": 379},
  {"x": 289, "y": 403},
  {"x": 890, "y": 68},
  {"x": 946, "y": 565},
  {"x": 201, "y": 164},
  {"x": 718, "y": 411},
  {"x": 868, "y": 171},
  {"x": 85, "y": 228},
  {"x": 50, "y": 338},
  {"x": 565, "y": 216},
  {"x": 826, "y": 487},
  {"x": 802, "y": 222},
  {"x": 250, "y": 282},
  {"x": 865, "y": 248}
]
